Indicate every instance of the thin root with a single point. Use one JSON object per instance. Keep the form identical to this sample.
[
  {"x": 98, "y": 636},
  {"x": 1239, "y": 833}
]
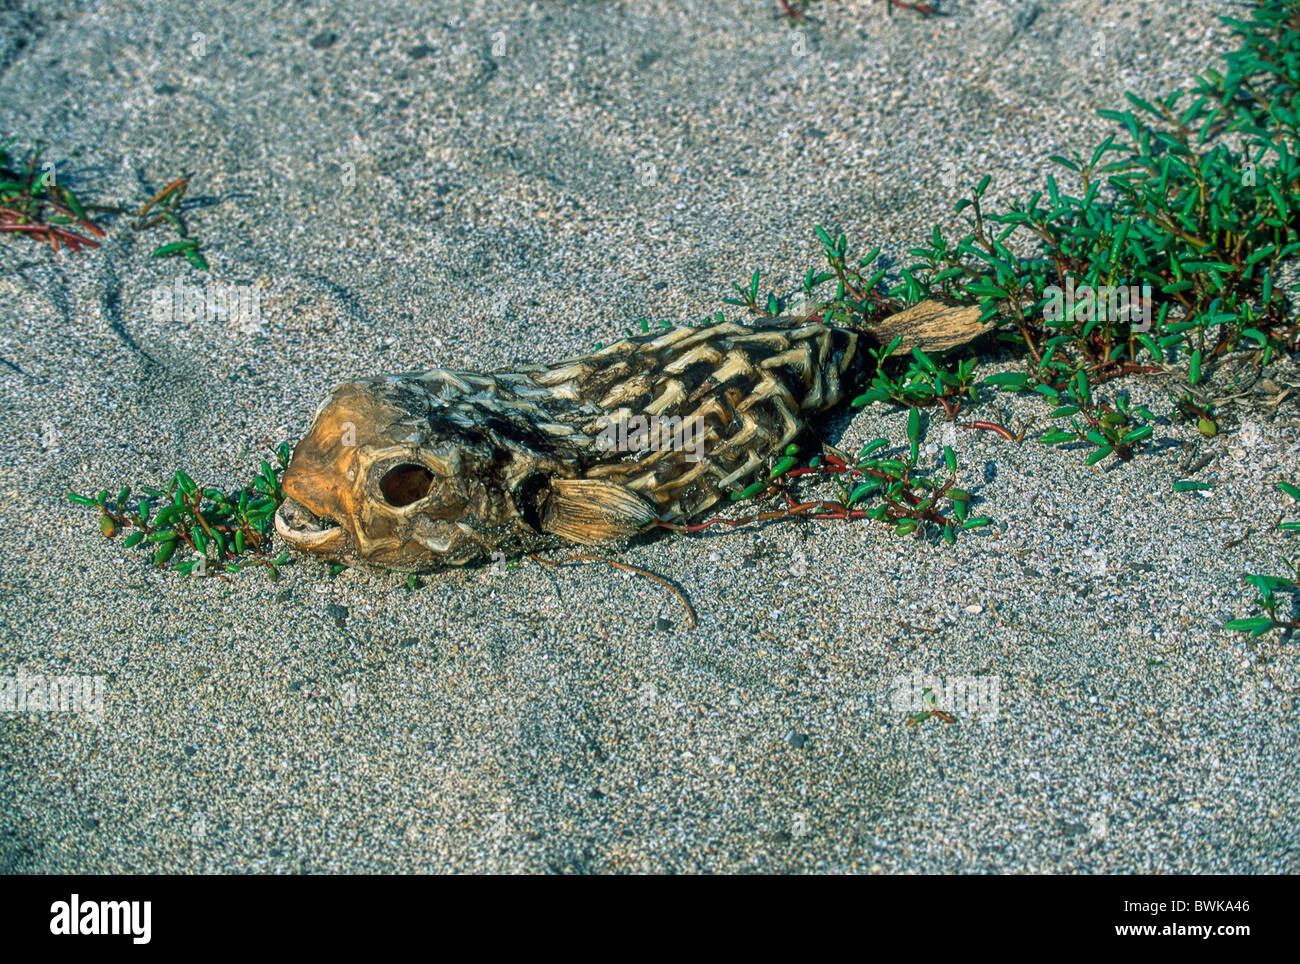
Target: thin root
[{"x": 690, "y": 610}]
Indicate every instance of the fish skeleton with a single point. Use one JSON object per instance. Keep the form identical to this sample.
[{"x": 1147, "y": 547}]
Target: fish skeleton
[{"x": 421, "y": 470}]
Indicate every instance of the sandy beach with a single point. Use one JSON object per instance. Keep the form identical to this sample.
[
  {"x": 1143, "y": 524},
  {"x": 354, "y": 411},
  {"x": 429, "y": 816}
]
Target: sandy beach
[{"x": 489, "y": 183}]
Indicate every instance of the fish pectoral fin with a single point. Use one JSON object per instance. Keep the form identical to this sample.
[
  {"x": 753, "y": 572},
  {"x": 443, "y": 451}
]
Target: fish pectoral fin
[{"x": 589, "y": 511}]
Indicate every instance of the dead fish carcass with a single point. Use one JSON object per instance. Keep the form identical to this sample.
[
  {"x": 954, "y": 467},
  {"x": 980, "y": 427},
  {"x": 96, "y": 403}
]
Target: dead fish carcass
[{"x": 416, "y": 471}]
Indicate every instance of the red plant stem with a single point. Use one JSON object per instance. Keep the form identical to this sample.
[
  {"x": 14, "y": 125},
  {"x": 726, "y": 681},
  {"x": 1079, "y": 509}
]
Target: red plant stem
[
  {"x": 35, "y": 230},
  {"x": 841, "y": 513},
  {"x": 82, "y": 221},
  {"x": 50, "y": 233},
  {"x": 181, "y": 182},
  {"x": 74, "y": 241},
  {"x": 1129, "y": 368},
  {"x": 990, "y": 427}
]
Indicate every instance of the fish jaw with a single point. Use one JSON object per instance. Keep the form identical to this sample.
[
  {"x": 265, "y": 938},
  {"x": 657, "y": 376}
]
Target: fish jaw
[
  {"x": 321, "y": 496},
  {"x": 307, "y": 532}
]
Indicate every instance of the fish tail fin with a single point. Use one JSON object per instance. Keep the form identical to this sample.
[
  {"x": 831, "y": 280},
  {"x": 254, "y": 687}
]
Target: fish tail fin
[{"x": 931, "y": 326}]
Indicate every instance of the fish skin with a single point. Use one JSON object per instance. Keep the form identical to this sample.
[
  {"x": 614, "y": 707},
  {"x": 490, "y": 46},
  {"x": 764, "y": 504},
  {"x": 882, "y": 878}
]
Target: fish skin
[{"x": 423, "y": 470}]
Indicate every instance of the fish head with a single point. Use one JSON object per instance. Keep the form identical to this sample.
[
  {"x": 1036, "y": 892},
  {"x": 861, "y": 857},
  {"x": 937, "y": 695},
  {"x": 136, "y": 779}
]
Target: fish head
[{"x": 384, "y": 478}]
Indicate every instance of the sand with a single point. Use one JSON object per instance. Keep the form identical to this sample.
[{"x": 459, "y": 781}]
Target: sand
[{"x": 489, "y": 183}]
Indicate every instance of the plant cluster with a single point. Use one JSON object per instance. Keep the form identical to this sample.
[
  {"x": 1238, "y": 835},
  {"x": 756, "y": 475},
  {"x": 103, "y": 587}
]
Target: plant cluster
[
  {"x": 227, "y": 532},
  {"x": 1191, "y": 201},
  {"x": 931, "y": 711},
  {"x": 1110, "y": 430},
  {"x": 32, "y": 202},
  {"x": 1161, "y": 255},
  {"x": 1268, "y": 587},
  {"x": 922, "y": 383},
  {"x": 166, "y": 205},
  {"x": 1194, "y": 198},
  {"x": 880, "y": 484}
]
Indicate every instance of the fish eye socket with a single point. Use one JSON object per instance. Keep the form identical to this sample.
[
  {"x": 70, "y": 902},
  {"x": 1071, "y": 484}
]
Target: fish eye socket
[{"x": 405, "y": 484}]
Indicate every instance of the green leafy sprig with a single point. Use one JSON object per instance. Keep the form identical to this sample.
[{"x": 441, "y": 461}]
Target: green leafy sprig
[
  {"x": 226, "y": 533},
  {"x": 32, "y": 202},
  {"x": 1116, "y": 430},
  {"x": 880, "y": 484},
  {"x": 166, "y": 206},
  {"x": 1269, "y": 586}
]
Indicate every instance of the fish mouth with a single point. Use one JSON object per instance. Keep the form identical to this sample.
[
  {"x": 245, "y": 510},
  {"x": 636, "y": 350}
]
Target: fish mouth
[{"x": 303, "y": 529}]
